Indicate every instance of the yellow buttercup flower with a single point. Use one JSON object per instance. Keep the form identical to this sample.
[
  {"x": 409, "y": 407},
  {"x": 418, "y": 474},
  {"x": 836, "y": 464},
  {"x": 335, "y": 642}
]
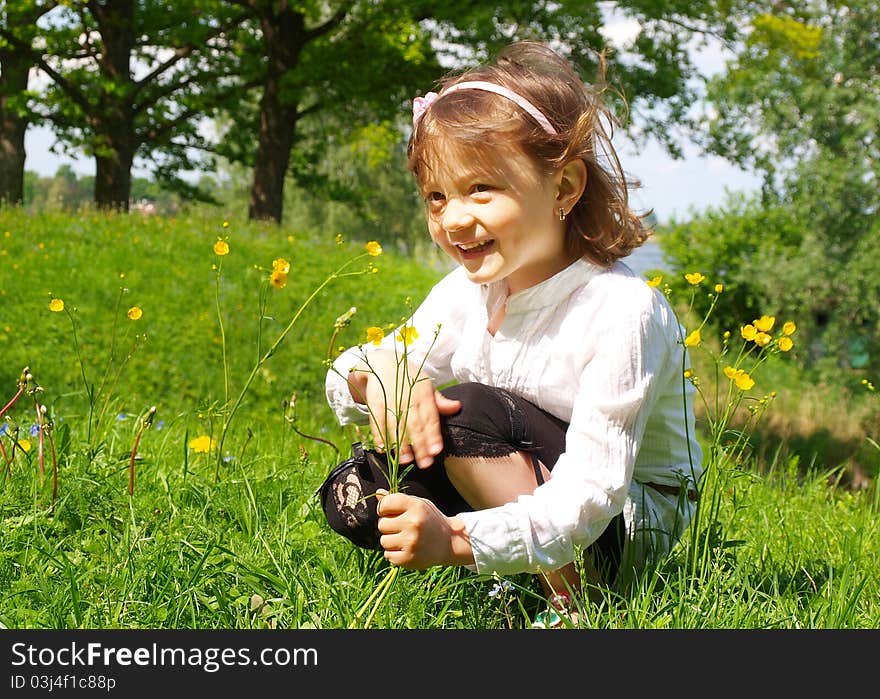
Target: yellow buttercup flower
[
  {"x": 694, "y": 278},
  {"x": 373, "y": 248},
  {"x": 693, "y": 339},
  {"x": 407, "y": 335},
  {"x": 654, "y": 282},
  {"x": 221, "y": 247},
  {"x": 202, "y": 444},
  {"x": 765, "y": 323},
  {"x": 743, "y": 381},
  {"x": 719, "y": 288},
  {"x": 135, "y": 313},
  {"x": 25, "y": 444},
  {"x": 688, "y": 373},
  {"x": 785, "y": 344},
  {"x": 762, "y": 339},
  {"x": 789, "y": 328},
  {"x": 375, "y": 334},
  {"x": 278, "y": 279},
  {"x": 748, "y": 332},
  {"x": 281, "y": 265},
  {"x": 56, "y": 305}
]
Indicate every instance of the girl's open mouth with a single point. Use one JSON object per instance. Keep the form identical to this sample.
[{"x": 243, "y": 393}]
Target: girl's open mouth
[{"x": 476, "y": 249}]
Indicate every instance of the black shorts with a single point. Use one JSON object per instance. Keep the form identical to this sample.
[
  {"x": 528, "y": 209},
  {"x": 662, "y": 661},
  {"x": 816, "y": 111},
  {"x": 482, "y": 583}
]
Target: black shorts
[{"x": 492, "y": 422}]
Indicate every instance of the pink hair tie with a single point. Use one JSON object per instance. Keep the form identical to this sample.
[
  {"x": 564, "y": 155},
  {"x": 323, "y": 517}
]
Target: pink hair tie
[{"x": 421, "y": 104}]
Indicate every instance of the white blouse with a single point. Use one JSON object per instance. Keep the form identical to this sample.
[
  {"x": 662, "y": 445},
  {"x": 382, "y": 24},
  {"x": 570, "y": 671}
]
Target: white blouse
[{"x": 597, "y": 348}]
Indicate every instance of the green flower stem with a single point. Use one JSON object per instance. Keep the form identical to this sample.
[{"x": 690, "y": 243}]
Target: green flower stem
[
  {"x": 89, "y": 388},
  {"x": 222, "y": 334}
]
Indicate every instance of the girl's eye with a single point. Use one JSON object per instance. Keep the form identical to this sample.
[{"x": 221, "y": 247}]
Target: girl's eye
[
  {"x": 483, "y": 187},
  {"x": 435, "y": 202}
]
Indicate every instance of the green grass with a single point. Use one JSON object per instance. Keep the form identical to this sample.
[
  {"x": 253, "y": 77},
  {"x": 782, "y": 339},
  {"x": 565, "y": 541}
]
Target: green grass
[{"x": 247, "y": 547}]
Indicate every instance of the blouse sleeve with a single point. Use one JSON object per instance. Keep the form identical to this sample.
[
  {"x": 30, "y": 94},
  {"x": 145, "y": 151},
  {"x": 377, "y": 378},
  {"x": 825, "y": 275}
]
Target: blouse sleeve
[
  {"x": 432, "y": 334},
  {"x": 616, "y": 390}
]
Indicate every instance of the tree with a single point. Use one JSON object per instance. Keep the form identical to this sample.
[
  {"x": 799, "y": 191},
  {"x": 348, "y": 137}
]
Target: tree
[
  {"x": 801, "y": 105},
  {"x": 131, "y": 78},
  {"x": 16, "y": 61},
  {"x": 362, "y": 62}
]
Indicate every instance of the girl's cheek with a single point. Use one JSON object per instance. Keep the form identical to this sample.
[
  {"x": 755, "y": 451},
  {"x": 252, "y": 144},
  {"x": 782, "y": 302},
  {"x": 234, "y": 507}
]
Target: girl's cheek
[{"x": 436, "y": 231}]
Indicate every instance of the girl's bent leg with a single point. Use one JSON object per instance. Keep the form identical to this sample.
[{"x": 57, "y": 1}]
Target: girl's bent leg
[
  {"x": 499, "y": 447},
  {"x": 496, "y": 448}
]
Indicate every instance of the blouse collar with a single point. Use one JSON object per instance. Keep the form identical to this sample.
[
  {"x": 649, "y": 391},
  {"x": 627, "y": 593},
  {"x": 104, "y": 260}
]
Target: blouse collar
[{"x": 550, "y": 291}]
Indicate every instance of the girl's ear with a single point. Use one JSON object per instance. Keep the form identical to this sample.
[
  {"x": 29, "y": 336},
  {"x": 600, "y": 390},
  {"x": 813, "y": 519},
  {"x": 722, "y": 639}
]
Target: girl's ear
[{"x": 571, "y": 181}]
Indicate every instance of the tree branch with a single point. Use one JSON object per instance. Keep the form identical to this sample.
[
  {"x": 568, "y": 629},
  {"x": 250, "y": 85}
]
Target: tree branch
[
  {"x": 40, "y": 62},
  {"x": 183, "y": 52},
  {"x": 330, "y": 24}
]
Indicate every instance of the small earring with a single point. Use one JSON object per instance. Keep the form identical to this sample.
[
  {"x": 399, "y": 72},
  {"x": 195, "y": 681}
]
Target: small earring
[{"x": 561, "y": 214}]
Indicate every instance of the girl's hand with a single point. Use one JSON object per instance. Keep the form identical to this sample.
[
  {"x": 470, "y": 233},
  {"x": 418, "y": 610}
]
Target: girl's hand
[
  {"x": 403, "y": 407},
  {"x": 416, "y": 535}
]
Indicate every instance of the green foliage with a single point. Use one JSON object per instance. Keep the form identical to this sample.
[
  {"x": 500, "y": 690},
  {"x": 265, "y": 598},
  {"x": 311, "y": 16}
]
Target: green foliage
[
  {"x": 732, "y": 243},
  {"x": 149, "y": 72},
  {"x": 801, "y": 87},
  {"x": 775, "y": 260},
  {"x": 362, "y": 184},
  {"x": 799, "y": 105}
]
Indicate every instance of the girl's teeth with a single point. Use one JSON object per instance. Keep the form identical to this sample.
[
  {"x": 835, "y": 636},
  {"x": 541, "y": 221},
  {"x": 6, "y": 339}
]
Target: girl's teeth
[{"x": 474, "y": 246}]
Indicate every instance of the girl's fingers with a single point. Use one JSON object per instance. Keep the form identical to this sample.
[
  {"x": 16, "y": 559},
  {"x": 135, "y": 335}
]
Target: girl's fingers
[
  {"x": 417, "y": 430},
  {"x": 389, "y": 505},
  {"x": 428, "y": 440},
  {"x": 446, "y": 406}
]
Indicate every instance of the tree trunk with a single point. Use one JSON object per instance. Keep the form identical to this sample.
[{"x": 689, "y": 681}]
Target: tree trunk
[
  {"x": 113, "y": 179},
  {"x": 13, "y": 83},
  {"x": 284, "y": 37},
  {"x": 273, "y": 156},
  {"x": 114, "y": 123}
]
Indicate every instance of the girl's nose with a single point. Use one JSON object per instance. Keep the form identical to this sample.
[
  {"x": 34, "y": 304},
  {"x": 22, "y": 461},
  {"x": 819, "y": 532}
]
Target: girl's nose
[{"x": 456, "y": 216}]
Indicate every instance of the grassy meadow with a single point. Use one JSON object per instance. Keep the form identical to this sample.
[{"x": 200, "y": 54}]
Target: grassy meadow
[{"x": 220, "y": 527}]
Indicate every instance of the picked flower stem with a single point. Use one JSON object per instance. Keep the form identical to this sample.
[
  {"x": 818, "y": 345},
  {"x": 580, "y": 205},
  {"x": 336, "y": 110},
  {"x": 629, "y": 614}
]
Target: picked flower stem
[{"x": 376, "y": 598}]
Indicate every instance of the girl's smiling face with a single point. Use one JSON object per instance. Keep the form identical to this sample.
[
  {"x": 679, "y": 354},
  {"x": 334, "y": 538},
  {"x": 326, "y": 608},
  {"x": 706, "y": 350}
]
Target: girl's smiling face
[{"x": 497, "y": 215}]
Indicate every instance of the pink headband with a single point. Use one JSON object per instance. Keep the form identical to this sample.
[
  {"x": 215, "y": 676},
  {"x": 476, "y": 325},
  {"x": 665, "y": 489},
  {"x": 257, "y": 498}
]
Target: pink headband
[{"x": 421, "y": 104}]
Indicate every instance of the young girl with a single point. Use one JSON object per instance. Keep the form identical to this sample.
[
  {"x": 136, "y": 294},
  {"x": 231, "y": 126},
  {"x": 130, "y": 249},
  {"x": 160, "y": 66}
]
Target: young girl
[{"x": 562, "y": 423}]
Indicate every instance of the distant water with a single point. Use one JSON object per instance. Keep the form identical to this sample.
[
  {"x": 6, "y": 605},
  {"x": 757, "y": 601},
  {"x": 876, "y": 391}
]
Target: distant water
[{"x": 645, "y": 258}]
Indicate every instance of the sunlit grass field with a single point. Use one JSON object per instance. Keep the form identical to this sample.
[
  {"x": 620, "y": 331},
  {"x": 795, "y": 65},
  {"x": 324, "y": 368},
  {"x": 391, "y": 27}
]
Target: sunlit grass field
[{"x": 129, "y": 522}]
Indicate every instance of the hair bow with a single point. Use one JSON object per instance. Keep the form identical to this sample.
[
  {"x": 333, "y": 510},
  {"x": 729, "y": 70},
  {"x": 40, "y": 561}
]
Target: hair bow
[{"x": 421, "y": 104}]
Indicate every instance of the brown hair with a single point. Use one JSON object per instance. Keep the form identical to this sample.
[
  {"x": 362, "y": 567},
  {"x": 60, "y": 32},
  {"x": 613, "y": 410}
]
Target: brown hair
[{"x": 601, "y": 226}]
